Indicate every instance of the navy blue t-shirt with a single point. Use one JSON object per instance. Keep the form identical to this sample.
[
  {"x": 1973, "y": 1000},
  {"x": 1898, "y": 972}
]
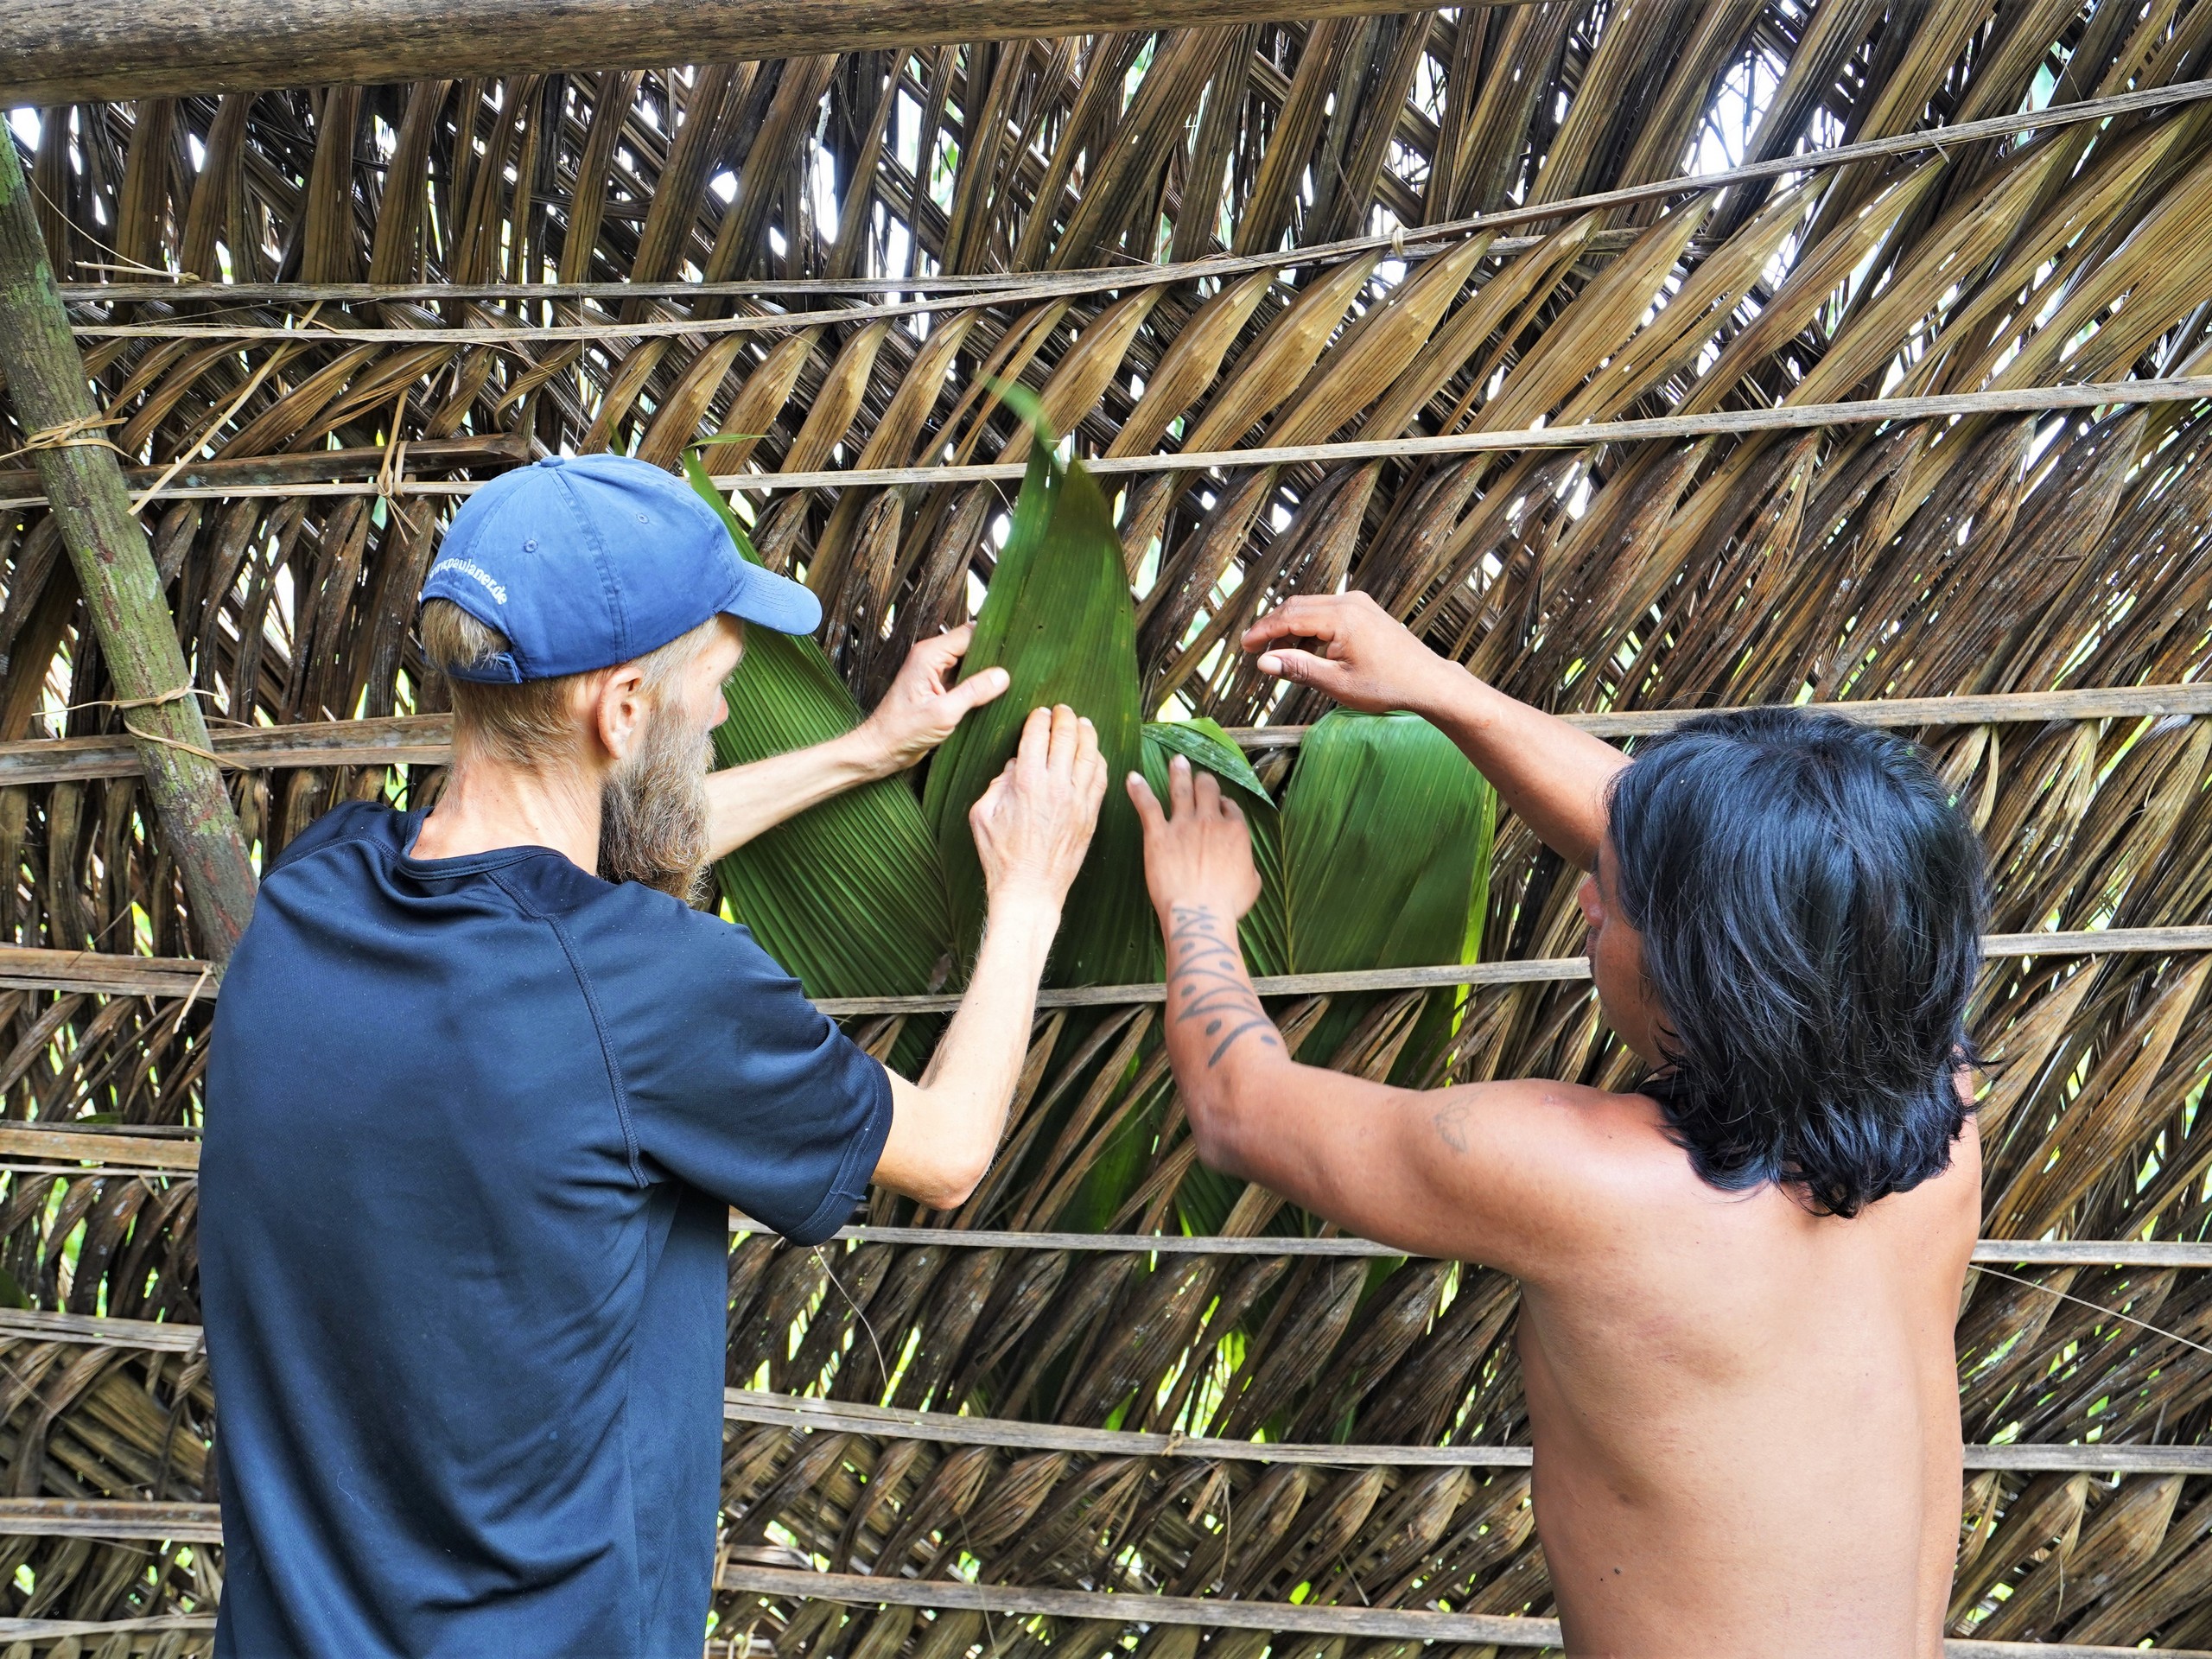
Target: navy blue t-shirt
[{"x": 474, "y": 1127}]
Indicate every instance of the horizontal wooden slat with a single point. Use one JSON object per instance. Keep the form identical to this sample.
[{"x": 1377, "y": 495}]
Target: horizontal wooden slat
[
  {"x": 243, "y": 474},
  {"x": 427, "y": 739},
  {"x": 397, "y": 740},
  {"x": 1209, "y": 1613},
  {"x": 36, "y": 1325},
  {"x": 133, "y": 1151},
  {"x": 87, "y": 1517},
  {"x": 26, "y": 968},
  {"x": 64, "y": 51},
  {"x": 995, "y": 287},
  {"x": 742, "y": 1405},
  {"x": 1206, "y": 1611},
  {"x": 97, "y": 1630},
  {"x": 1991, "y": 1252},
  {"x": 2092, "y": 942},
  {"x": 1783, "y": 418},
  {"x": 748, "y": 1406},
  {"x": 1662, "y": 427}
]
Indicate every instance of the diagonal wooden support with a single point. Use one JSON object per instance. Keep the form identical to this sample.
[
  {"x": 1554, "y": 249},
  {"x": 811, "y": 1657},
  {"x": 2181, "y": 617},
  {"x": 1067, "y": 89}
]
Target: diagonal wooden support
[{"x": 107, "y": 547}]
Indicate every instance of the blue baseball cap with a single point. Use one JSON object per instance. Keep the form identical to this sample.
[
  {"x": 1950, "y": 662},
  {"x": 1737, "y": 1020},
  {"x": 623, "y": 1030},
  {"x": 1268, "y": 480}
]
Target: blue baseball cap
[{"x": 583, "y": 561}]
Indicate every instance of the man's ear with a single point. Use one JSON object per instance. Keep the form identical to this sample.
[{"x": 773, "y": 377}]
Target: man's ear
[{"x": 618, "y": 711}]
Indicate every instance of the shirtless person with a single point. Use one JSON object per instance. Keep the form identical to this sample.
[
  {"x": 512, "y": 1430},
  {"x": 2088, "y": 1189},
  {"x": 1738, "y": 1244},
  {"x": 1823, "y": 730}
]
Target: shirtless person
[{"x": 1738, "y": 1285}]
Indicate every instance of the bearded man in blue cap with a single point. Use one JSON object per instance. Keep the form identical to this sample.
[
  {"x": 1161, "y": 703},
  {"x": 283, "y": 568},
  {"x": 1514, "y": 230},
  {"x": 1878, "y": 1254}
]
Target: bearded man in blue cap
[{"x": 484, "y": 1089}]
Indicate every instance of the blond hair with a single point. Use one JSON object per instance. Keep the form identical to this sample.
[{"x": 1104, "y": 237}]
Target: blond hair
[{"x": 527, "y": 723}]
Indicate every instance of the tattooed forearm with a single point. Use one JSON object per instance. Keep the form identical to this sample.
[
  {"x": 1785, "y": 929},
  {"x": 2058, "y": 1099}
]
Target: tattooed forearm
[
  {"x": 1450, "y": 1121},
  {"x": 1206, "y": 982}
]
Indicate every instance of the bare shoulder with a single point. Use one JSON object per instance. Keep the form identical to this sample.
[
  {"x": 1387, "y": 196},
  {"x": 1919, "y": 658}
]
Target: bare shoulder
[
  {"x": 1585, "y": 1135},
  {"x": 1573, "y": 1165},
  {"x": 1942, "y": 1213}
]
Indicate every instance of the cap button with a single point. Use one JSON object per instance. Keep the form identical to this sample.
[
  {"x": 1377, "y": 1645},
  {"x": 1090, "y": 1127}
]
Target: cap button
[{"x": 554, "y": 460}]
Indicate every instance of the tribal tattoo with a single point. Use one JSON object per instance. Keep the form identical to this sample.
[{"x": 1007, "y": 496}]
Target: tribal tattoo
[{"x": 1209, "y": 980}]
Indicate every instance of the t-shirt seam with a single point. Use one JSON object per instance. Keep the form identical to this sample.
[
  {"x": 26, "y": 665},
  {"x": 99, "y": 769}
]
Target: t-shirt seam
[
  {"x": 598, "y": 1022},
  {"x": 880, "y": 1107},
  {"x": 390, "y": 854}
]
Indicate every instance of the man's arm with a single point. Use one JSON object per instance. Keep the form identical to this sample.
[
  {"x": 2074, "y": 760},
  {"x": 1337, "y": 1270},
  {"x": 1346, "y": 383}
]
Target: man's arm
[
  {"x": 1032, "y": 827},
  {"x": 1483, "y": 1172},
  {"x": 1552, "y": 776},
  {"x": 916, "y": 713}
]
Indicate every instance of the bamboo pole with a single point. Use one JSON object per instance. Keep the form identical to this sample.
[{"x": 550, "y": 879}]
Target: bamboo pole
[
  {"x": 1726, "y": 422},
  {"x": 66, "y": 51},
  {"x": 244, "y": 474},
  {"x": 29, "y": 968},
  {"x": 427, "y": 739},
  {"x": 115, "y": 568}
]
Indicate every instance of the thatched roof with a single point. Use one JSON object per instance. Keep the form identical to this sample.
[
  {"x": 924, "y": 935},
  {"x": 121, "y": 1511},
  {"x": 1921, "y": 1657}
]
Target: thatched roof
[{"x": 1352, "y": 232}]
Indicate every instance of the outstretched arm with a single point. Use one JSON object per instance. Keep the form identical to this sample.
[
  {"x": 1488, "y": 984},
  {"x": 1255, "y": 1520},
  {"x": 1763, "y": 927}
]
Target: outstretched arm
[
  {"x": 916, "y": 713},
  {"x": 1485, "y": 1172},
  {"x": 1552, "y": 776},
  {"x": 1032, "y": 826}
]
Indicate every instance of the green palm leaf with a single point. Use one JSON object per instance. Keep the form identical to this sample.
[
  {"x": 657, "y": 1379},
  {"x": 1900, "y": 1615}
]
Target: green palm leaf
[
  {"x": 1379, "y": 857},
  {"x": 1386, "y": 844},
  {"x": 1057, "y": 618},
  {"x": 850, "y": 897},
  {"x": 1264, "y": 931}
]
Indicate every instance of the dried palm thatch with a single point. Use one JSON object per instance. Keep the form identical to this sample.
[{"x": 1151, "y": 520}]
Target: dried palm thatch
[{"x": 1194, "y": 240}]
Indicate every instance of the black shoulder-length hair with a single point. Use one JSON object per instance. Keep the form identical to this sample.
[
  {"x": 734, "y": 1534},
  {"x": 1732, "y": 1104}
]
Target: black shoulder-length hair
[{"x": 1811, "y": 905}]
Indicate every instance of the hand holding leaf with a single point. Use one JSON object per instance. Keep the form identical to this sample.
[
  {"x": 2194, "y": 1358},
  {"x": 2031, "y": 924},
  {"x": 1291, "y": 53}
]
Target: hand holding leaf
[
  {"x": 922, "y": 706},
  {"x": 1366, "y": 659},
  {"x": 1200, "y": 851},
  {"x": 1033, "y": 825}
]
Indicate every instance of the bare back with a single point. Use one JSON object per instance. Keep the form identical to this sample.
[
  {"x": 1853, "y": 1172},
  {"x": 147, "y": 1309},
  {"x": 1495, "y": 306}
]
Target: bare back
[{"x": 1746, "y": 1416}]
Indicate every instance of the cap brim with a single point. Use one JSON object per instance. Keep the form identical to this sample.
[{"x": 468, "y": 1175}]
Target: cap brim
[{"x": 773, "y": 601}]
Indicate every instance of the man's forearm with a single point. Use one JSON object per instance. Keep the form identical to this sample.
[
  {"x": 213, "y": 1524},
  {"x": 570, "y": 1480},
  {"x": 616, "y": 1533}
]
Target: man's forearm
[
  {"x": 984, "y": 1046},
  {"x": 946, "y": 1129},
  {"x": 745, "y": 801},
  {"x": 1219, "y": 1036},
  {"x": 1552, "y": 775}
]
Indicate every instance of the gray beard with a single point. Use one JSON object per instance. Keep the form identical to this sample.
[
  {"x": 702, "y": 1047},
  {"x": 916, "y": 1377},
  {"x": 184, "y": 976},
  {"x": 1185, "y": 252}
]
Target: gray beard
[{"x": 653, "y": 824}]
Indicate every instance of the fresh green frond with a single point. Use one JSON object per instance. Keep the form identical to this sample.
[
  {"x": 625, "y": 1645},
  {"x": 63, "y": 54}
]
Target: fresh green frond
[
  {"x": 1264, "y": 931},
  {"x": 1386, "y": 846},
  {"x": 1386, "y": 837},
  {"x": 1057, "y": 618},
  {"x": 850, "y": 897}
]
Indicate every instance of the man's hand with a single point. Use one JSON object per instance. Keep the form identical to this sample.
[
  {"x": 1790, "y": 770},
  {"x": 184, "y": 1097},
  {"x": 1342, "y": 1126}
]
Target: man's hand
[
  {"x": 1366, "y": 659},
  {"x": 1200, "y": 851},
  {"x": 1033, "y": 825},
  {"x": 922, "y": 706}
]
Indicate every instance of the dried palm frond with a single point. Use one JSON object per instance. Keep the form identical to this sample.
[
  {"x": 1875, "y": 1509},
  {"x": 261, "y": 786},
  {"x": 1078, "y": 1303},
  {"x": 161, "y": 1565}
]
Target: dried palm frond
[{"x": 1039, "y": 185}]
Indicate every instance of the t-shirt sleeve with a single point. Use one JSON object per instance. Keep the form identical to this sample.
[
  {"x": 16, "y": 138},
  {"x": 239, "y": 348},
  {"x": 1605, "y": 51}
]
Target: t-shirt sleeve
[{"x": 738, "y": 1085}]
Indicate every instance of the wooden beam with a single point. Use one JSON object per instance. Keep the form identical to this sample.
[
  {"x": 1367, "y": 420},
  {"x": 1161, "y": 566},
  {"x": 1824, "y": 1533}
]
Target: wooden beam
[
  {"x": 245, "y": 473},
  {"x": 427, "y": 739},
  {"x": 1218, "y": 1612},
  {"x": 115, "y": 568},
  {"x": 95, "y": 1631},
  {"x": 202, "y": 1523},
  {"x": 398, "y": 740},
  {"x": 2010, "y": 1252},
  {"x": 25, "y": 968},
  {"x": 69, "y": 52}
]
